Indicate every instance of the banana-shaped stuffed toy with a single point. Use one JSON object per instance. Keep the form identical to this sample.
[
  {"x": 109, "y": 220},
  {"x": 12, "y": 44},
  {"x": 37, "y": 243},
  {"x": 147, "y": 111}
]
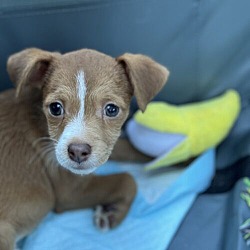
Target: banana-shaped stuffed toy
[{"x": 174, "y": 134}]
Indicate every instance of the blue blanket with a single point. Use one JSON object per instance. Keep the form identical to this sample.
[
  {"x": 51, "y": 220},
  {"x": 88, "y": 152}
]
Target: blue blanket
[{"x": 157, "y": 211}]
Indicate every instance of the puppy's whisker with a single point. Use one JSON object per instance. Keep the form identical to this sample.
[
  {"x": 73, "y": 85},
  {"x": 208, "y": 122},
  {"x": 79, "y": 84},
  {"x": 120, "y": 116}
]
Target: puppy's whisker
[
  {"x": 43, "y": 140},
  {"x": 42, "y": 153},
  {"x": 48, "y": 156}
]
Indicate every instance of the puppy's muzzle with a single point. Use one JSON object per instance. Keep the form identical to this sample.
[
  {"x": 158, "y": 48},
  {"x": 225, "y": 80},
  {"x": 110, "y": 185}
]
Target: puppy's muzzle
[{"x": 79, "y": 152}]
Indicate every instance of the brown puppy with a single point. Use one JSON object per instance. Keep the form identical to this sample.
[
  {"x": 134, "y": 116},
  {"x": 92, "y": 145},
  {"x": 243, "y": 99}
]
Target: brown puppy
[{"x": 59, "y": 125}]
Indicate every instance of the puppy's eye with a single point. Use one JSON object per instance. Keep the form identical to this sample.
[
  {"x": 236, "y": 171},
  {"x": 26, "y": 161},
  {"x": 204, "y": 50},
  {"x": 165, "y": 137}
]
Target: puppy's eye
[
  {"x": 111, "y": 110},
  {"x": 56, "y": 108}
]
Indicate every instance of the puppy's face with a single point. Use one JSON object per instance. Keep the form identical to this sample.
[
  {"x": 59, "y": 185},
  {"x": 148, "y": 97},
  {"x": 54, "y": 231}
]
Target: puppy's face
[
  {"x": 86, "y": 101},
  {"x": 86, "y": 97}
]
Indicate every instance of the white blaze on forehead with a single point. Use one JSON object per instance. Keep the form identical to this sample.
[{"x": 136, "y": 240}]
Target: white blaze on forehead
[
  {"x": 81, "y": 87},
  {"x": 75, "y": 129}
]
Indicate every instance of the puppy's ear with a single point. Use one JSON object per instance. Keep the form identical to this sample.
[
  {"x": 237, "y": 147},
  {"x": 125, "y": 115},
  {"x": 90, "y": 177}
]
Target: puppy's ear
[
  {"x": 146, "y": 76},
  {"x": 29, "y": 68}
]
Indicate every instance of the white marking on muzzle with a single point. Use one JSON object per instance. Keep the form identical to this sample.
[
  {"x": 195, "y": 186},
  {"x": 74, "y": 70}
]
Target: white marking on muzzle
[{"x": 75, "y": 129}]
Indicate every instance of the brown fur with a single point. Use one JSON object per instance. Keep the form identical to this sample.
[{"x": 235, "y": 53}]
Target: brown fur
[{"x": 32, "y": 182}]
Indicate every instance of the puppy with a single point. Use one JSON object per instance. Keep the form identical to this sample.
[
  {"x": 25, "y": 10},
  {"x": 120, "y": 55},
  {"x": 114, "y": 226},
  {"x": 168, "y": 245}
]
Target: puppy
[{"x": 58, "y": 126}]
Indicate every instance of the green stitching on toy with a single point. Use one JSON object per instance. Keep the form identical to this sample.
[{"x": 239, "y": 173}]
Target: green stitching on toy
[
  {"x": 245, "y": 227},
  {"x": 246, "y": 194},
  {"x": 246, "y": 181}
]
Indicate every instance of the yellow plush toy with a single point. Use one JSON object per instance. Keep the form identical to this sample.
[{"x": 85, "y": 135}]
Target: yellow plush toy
[{"x": 173, "y": 134}]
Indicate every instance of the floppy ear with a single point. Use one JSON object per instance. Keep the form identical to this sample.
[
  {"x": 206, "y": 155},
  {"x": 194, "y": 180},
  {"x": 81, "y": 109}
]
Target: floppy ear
[
  {"x": 146, "y": 76},
  {"x": 29, "y": 68}
]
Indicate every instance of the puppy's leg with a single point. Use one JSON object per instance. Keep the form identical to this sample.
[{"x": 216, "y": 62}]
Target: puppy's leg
[
  {"x": 124, "y": 151},
  {"x": 111, "y": 195},
  {"x": 7, "y": 236},
  {"x": 115, "y": 205}
]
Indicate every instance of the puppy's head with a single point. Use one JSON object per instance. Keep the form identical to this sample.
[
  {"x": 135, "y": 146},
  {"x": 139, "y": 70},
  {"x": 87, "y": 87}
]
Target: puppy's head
[{"x": 86, "y": 98}]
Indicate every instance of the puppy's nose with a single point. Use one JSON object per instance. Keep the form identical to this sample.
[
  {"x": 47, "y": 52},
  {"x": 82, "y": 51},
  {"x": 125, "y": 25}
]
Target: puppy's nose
[{"x": 79, "y": 152}]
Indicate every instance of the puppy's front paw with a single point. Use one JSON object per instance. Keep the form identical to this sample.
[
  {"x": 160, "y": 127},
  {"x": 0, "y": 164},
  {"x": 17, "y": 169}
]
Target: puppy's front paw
[{"x": 107, "y": 217}]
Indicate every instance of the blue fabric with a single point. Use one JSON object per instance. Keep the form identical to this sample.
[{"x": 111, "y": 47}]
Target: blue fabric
[{"x": 154, "y": 217}]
